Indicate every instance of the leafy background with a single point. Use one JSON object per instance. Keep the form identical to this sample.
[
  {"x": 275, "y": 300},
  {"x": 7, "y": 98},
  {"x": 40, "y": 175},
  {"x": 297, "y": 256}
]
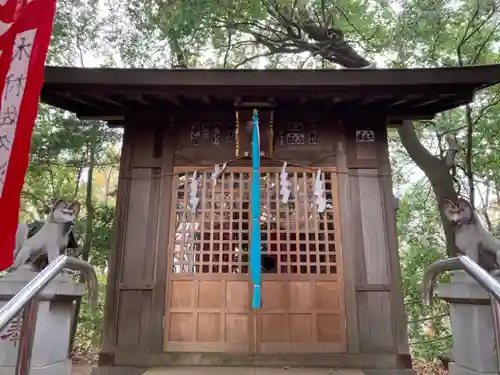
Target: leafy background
[{"x": 79, "y": 159}]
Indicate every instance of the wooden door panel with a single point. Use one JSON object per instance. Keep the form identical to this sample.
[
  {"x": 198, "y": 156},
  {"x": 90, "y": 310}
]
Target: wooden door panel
[
  {"x": 302, "y": 295},
  {"x": 305, "y": 316},
  {"x": 208, "y": 315},
  {"x": 209, "y": 309}
]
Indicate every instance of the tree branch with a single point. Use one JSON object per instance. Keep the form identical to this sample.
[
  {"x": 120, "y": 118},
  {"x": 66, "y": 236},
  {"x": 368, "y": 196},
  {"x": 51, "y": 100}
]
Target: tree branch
[
  {"x": 36, "y": 198},
  {"x": 295, "y": 29},
  {"x": 453, "y": 148},
  {"x": 486, "y": 40},
  {"x": 228, "y": 48},
  {"x": 438, "y": 173},
  {"x": 493, "y": 102},
  {"x": 411, "y": 142}
]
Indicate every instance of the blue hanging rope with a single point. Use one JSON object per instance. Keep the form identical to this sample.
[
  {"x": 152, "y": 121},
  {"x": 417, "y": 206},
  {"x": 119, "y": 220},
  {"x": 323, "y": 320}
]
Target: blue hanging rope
[{"x": 255, "y": 266}]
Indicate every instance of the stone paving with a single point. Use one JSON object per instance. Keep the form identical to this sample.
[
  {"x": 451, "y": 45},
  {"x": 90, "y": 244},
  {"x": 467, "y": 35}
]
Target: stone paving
[
  {"x": 81, "y": 370},
  {"x": 86, "y": 370},
  {"x": 247, "y": 371}
]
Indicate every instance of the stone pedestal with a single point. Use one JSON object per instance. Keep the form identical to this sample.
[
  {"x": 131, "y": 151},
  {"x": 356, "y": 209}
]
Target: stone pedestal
[
  {"x": 53, "y": 326},
  {"x": 474, "y": 350}
]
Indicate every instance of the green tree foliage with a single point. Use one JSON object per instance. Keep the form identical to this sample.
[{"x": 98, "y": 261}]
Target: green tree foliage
[
  {"x": 76, "y": 159},
  {"x": 67, "y": 154},
  {"x": 422, "y": 243}
]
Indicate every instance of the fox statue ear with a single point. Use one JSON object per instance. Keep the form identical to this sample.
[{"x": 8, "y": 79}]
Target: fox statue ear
[
  {"x": 60, "y": 204},
  {"x": 448, "y": 203},
  {"x": 75, "y": 206},
  {"x": 448, "y": 208},
  {"x": 463, "y": 202}
]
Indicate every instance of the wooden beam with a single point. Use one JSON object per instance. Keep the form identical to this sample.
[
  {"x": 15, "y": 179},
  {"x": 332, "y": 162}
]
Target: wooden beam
[
  {"x": 398, "y": 102},
  {"x": 164, "y": 96},
  {"x": 426, "y": 102},
  {"x": 398, "y": 119},
  {"x": 255, "y": 105},
  {"x": 61, "y": 102},
  {"x": 293, "y": 95},
  {"x": 102, "y": 118},
  {"x": 135, "y": 97},
  {"x": 375, "y": 99},
  {"x": 341, "y": 111},
  {"x": 116, "y": 124},
  {"x": 76, "y": 98},
  {"x": 105, "y": 98},
  {"x": 477, "y": 76}
]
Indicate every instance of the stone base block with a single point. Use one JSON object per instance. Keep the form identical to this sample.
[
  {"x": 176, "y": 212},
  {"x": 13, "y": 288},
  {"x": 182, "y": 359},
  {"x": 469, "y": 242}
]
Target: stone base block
[
  {"x": 471, "y": 325},
  {"x": 60, "y": 368},
  {"x": 53, "y": 326},
  {"x": 455, "y": 369}
]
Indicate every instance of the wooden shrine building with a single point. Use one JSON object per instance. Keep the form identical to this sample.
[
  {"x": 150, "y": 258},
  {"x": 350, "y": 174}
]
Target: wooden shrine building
[{"x": 179, "y": 289}]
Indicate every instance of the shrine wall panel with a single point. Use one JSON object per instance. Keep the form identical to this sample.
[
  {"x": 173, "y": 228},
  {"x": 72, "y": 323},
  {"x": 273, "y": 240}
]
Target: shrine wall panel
[
  {"x": 364, "y": 143},
  {"x": 372, "y": 228},
  {"x": 304, "y": 138},
  {"x": 394, "y": 262},
  {"x": 376, "y": 328},
  {"x": 147, "y": 137},
  {"x": 213, "y": 137},
  {"x": 372, "y": 278},
  {"x": 377, "y": 275},
  {"x": 135, "y": 298},
  {"x": 205, "y": 138},
  {"x": 135, "y": 281}
]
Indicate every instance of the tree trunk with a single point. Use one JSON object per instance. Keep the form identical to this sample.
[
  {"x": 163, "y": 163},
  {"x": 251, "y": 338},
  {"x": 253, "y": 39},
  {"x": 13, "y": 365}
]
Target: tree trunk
[
  {"x": 77, "y": 182},
  {"x": 87, "y": 245},
  {"x": 438, "y": 173}
]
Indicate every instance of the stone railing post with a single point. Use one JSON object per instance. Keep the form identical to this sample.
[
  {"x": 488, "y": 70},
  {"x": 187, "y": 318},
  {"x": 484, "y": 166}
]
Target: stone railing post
[
  {"x": 474, "y": 350},
  {"x": 50, "y": 351}
]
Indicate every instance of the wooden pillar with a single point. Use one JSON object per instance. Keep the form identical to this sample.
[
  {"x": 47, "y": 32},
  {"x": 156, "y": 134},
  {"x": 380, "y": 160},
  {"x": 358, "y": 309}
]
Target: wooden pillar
[
  {"x": 164, "y": 222},
  {"x": 381, "y": 323},
  {"x": 347, "y": 231},
  {"x": 398, "y": 308},
  {"x": 106, "y": 356}
]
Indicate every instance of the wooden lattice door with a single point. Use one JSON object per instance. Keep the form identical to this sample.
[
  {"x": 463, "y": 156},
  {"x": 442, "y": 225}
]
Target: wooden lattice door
[
  {"x": 208, "y": 293},
  {"x": 208, "y": 303},
  {"x": 302, "y": 294}
]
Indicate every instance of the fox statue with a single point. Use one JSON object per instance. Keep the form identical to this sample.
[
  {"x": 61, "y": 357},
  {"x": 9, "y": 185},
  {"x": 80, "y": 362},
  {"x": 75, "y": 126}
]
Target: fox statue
[
  {"x": 50, "y": 240},
  {"x": 471, "y": 238}
]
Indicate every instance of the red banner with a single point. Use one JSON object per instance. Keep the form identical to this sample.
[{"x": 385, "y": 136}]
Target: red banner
[{"x": 25, "y": 28}]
